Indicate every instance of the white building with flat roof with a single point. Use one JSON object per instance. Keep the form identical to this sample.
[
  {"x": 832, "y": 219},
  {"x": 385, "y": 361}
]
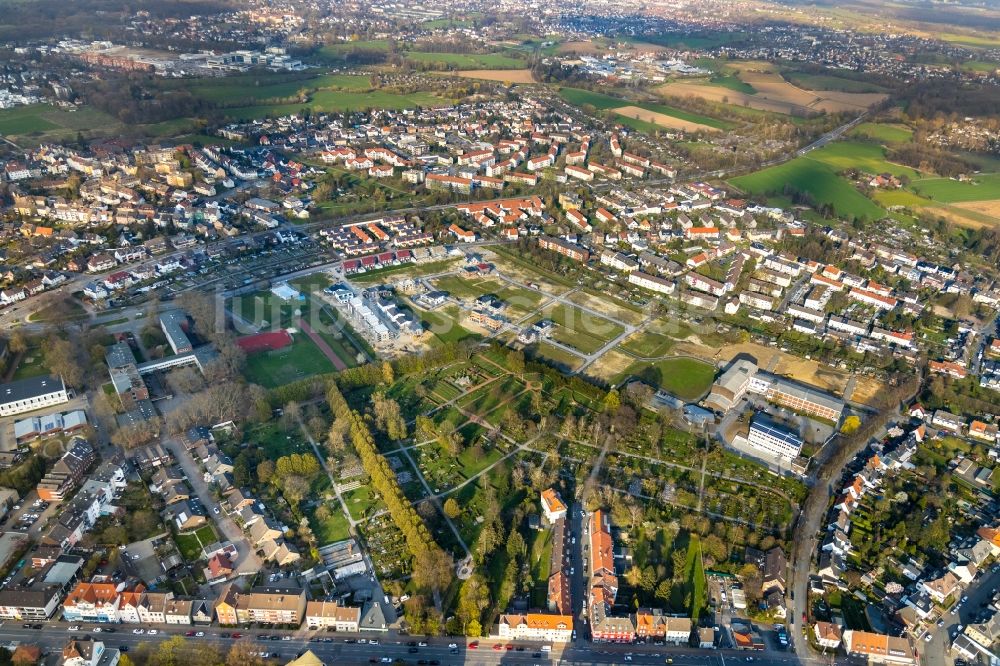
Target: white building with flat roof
[{"x": 771, "y": 438}]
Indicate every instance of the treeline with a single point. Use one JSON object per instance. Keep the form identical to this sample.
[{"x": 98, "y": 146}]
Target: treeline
[
  {"x": 432, "y": 567},
  {"x": 933, "y": 97},
  {"x": 126, "y": 99},
  {"x": 924, "y": 157},
  {"x": 100, "y": 19}
]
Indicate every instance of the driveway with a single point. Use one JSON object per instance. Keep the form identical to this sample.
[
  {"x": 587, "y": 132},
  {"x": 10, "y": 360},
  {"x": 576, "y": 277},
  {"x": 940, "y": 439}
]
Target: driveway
[{"x": 247, "y": 561}]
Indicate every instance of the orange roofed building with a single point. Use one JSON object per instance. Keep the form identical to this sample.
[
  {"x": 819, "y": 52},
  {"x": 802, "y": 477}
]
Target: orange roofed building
[
  {"x": 536, "y": 627},
  {"x": 879, "y": 648},
  {"x": 552, "y": 505},
  {"x": 92, "y": 602}
]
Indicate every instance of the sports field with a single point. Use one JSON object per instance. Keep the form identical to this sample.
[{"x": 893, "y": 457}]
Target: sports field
[{"x": 299, "y": 360}]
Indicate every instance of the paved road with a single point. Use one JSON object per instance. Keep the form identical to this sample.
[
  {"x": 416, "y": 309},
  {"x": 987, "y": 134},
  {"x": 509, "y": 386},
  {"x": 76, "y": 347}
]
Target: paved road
[
  {"x": 936, "y": 652},
  {"x": 55, "y": 635},
  {"x": 247, "y": 560}
]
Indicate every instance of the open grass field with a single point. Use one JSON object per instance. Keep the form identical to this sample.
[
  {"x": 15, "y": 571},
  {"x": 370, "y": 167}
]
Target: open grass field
[
  {"x": 946, "y": 190},
  {"x": 816, "y": 178},
  {"x": 865, "y": 157},
  {"x": 523, "y": 76},
  {"x": 559, "y": 357},
  {"x": 472, "y": 61},
  {"x": 299, "y": 360},
  {"x": 251, "y": 87},
  {"x": 600, "y": 101},
  {"x": 337, "y": 101},
  {"x": 47, "y": 122},
  {"x": 337, "y": 51},
  {"x": 579, "y": 329},
  {"x": 884, "y": 132},
  {"x": 646, "y": 344},
  {"x": 686, "y": 378}
]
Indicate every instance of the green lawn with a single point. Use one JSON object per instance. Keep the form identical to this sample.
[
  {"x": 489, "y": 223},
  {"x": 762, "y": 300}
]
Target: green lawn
[
  {"x": 816, "y": 178},
  {"x": 696, "y": 581},
  {"x": 32, "y": 365},
  {"x": 981, "y": 188},
  {"x": 884, "y": 132},
  {"x": 49, "y": 121},
  {"x": 467, "y": 61},
  {"x": 190, "y": 544},
  {"x": 361, "y": 502},
  {"x": 686, "y": 378},
  {"x": 299, "y": 360},
  {"x": 579, "y": 329}
]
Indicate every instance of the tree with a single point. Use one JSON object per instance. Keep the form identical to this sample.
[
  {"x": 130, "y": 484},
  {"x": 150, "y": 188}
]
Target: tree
[
  {"x": 295, "y": 488},
  {"x": 388, "y": 417},
  {"x": 61, "y": 359},
  {"x": 612, "y": 401},
  {"x": 851, "y": 425},
  {"x": 265, "y": 471},
  {"x": 17, "y": 342},
  {"x": 451, "y": 508},
  {"x": 244, "y": 653}
]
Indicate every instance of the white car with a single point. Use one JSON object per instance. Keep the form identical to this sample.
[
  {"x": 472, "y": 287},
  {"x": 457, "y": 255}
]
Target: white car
[
  {"x": 138, "y": 631},
  {"x": 153, "y": 632},
  {"x": 452, "y": 646},
  {"x": 75, "y": 627},
  {"x": 927, "y": 638},
  {"x": 200, "y": 634},
  {"x": 98, "y": 630}
]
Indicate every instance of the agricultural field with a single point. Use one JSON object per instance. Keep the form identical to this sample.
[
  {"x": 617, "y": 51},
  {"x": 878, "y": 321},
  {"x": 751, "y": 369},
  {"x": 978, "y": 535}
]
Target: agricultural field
[
  {"x": 653, "y": 114},
  {"x": 472, "y": 61},
  {"x": 829, "y": 82},
  {"x": 523, "y": 76},
  {"x": 773, "y": 93},
  {"x": 980, "y": 188},
  {"x": 883, "y": 132}
]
